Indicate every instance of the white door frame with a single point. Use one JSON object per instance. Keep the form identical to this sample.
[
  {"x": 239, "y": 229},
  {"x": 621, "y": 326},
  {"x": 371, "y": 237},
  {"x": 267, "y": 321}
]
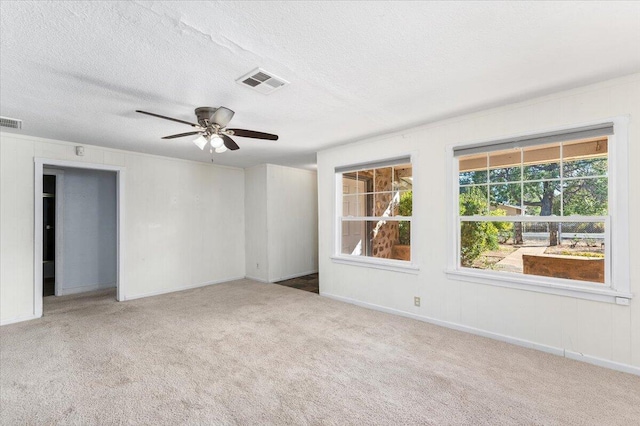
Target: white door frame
[
  {"x": 40, "y": 164},
  {"x": 59, "y": 263}
]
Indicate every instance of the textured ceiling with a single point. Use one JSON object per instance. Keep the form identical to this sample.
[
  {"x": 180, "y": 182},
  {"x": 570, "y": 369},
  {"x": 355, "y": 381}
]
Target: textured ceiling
[{"x": 76, "y": 71}]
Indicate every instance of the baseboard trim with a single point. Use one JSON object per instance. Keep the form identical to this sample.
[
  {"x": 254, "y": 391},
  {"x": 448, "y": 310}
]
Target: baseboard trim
[
  {"x": 86, "y": 288},
  {"x": 174, "y": 290},
  {"x": 289, "y": 277},
  {"x": 256, "y": 279},
  {"x": 618, "y": 366},
  {"x": 18, "y": 319},
  {"x": 625, "y": 368}
]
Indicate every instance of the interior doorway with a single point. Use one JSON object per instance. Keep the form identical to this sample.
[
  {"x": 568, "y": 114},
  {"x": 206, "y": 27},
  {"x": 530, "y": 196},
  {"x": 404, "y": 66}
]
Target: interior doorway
[
  {"x": 90, "y": 241},
  {"x": 52, "y": 230},
  {"x": 49, "y": 235}
]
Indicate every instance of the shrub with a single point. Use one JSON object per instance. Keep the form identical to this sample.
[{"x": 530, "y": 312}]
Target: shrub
[
  {"x": 405, "y": 208},
  {"x": 478, "y": 237}
]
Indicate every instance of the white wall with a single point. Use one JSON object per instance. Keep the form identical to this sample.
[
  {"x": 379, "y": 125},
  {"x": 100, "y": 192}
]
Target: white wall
[
  {"x": 292, "y": 206},
  {"x": 184, "y": 221},
  {"x": 89, "y": 231},
  {"x": 255, "y": 201},
  {"x": 282, "y": 222},
  {"x": 603, "y": 331}
]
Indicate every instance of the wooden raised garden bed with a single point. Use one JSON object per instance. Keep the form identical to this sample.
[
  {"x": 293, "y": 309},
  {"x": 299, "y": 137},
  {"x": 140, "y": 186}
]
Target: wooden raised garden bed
[{"x": 570, "y": 267}]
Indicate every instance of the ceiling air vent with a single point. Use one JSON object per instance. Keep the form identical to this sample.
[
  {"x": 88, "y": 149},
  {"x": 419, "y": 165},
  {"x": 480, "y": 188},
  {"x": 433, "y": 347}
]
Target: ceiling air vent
[
  {"x": 12, "y": 123},
  {"x": 262, "y": 81}
]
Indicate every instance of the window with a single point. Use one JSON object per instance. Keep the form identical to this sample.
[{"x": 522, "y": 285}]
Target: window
[
  {"x": 538, "y": 210},
  {"x": 374, "y": 211}
]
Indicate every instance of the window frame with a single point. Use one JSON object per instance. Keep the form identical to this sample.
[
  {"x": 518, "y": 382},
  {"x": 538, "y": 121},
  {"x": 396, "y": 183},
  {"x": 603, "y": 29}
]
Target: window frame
[
  {"x": 616, "y": 287},
  {"x": 404, "y": 266}
]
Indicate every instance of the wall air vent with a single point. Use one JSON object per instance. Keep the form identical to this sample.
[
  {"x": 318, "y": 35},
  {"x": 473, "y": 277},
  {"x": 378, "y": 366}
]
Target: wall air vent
[
  {"x": 262, "y": 81},
  {"x": 11, "y": 123}
]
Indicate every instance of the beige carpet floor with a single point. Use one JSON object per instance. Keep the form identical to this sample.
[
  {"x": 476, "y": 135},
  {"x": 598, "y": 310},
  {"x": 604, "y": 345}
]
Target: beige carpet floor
[{"x": 251, "y": 353}]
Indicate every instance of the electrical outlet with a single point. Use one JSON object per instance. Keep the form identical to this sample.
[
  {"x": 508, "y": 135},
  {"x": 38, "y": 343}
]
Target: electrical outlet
[{"x": 416, "y": 301}]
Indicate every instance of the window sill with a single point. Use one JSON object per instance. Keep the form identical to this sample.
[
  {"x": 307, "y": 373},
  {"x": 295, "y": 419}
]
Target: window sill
[
  {"x": 550, "y": 286},
  {"x": 375, "y": 263}
]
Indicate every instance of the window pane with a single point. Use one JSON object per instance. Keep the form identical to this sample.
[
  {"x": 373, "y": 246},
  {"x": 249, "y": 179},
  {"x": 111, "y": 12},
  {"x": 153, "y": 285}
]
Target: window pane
[
  {"x": 542, "y": 198},
  {"x": 585, "y": 158},
  {"x": 395, "y": 203},
  {"x": 481, "y": 243},
  {"x": 385, "y": 204},
  {"x": 383, "y": 179},
  {"x": 585, "y": 197},
  {"x": 579, "y": 254},
  {"x": 505, "y": 174},
  {"x": 386, "y": 239},
  {"x": 350, "y": 206},
  {"x": 542, "y": 171},
  {"x": 505, "y": 166},
  {"x": 354, "y": 238},
  {"x": 365, "y": 181},
  {"x": 473, "y": 200},
  {"x": 506, "y": 195},
  {"x": 351, "y": 184},
  {"x": 569, "y": 250},
  {"x": 347, "y": 186},
  {"x": 541, "y": 162},
  {"x": 468, "y": 178},
  {"x": 403, "y": 177},
  {"x": 402, "y": 250},
  {"x": 405, "y": 206},
  {"x": 506, "y": 158},
  {"x": 474, "y": 188},
  {"x": 585, "y": 167},
  {"x": 473, "y": 163}
]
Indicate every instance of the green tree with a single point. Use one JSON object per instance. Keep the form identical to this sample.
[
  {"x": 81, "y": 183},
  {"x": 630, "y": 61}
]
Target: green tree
[
  {"x": 586, "y": 196},
  {"x": 405, "y": 208},
  {"x": 478, "y": 237}
]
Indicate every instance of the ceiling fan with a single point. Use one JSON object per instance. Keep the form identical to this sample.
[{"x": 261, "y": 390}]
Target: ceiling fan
[{"x": 211, "y": 128}]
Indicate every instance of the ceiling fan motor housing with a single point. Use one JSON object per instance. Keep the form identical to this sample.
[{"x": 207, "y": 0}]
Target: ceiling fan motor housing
[{"x": 204, "y": 114}]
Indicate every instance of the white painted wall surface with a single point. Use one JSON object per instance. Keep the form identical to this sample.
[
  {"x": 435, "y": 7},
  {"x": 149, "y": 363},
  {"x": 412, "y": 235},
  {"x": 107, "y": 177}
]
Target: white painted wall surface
[
  {"x": 89, "y": 231},
  {"x": 602, "y": 331},
  {"x": 292, "y": 215},
  {"x": 184, "y": 221},
  {"x": 255, "y": 201},
  {"x": 281, "y": 222}
]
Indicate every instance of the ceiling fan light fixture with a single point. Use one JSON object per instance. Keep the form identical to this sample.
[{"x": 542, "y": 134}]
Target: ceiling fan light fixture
[
  {"x": 216, "y": 141},
  {"x": 221, "y": 149},
  {"x": 200, "y": 142}
]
